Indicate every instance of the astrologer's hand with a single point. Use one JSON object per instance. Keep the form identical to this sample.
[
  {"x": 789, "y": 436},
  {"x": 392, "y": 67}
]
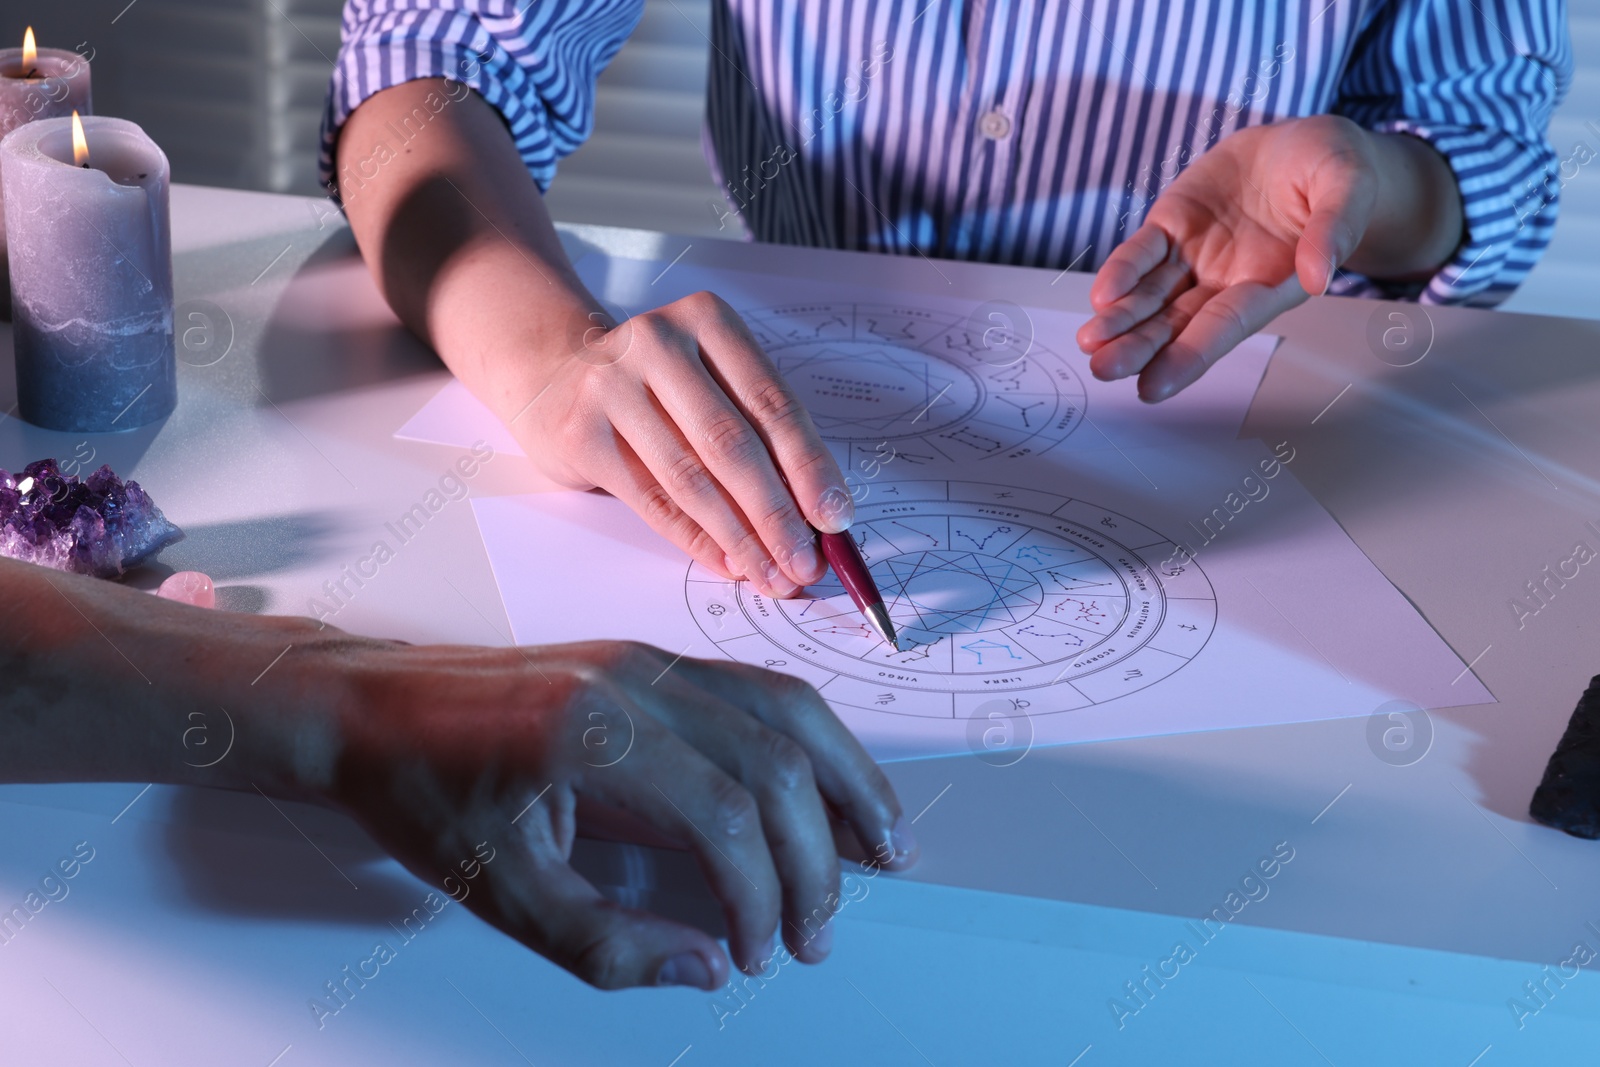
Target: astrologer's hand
[
  {"x": 679, "y": 413},
  {"x": 451, "y": 754},
  {"x": 1254, "y": 225}
]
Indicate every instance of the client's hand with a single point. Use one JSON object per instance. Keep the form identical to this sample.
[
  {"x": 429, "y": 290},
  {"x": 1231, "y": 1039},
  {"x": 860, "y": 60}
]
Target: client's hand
[{"x": 443, "y": 748}]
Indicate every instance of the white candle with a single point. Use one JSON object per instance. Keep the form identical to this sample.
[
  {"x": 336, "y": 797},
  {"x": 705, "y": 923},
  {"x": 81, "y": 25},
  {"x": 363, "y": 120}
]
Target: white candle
[
  {"x": 91, "y": 274},
  {"x": 37, "y": 83}
]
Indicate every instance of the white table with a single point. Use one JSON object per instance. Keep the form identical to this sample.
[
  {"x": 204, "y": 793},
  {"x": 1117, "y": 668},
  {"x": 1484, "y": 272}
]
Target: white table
[{"x": 1420, "y": 899}]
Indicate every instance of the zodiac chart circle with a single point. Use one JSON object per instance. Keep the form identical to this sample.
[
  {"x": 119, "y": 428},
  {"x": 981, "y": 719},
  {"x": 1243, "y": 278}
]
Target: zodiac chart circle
[
  {"x": 995, "y": 591},
  {"x": 932, "y": 385}
]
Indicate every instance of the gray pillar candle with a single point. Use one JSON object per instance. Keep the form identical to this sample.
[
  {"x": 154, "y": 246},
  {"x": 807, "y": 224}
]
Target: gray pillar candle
[
  {"x": 37, "y": 84},
  {"x": 91, "y": 275}
]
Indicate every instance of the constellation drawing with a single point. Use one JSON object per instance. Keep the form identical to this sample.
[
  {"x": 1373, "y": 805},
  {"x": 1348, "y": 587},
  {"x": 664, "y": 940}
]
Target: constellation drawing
[
  {"x": 989, "y": 598},
  {"x": 983, "y": 644},
  {"x": 912, "y": 529},
  {"x": 859, "y": 629},
  {"x": 1022, "y": 409},
  {"x": 991, "y": 535},
  {"x": 1075, "y": 640},
  {"x": 1083, "y": 611},
  {"x": 973, "y": 439}
]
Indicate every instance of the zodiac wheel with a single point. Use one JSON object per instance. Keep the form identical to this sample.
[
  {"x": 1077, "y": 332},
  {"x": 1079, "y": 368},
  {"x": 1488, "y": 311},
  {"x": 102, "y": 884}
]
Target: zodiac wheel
[
  {"x": 932, "y": 385},
  {"x": 994, "y": 590}
]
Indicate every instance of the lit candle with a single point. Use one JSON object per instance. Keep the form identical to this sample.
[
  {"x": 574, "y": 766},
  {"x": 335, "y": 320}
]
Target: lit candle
[
  {"x": 37, "y": 84},
  {"x": 91, "y": 274}
]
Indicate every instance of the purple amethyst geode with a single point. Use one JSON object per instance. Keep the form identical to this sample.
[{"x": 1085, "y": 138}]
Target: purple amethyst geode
[{"x": 101, "y": 525}]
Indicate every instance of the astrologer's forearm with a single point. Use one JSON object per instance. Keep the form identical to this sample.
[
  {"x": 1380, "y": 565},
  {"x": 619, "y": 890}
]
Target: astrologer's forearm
[
  {"x": 456, "y": 234},
  {"x": 1417, "y": 222},
  {"x": 105, "y": 683}
]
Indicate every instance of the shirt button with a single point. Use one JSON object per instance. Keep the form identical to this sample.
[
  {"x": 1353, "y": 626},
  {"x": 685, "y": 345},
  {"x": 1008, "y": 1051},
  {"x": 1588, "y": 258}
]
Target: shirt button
[{"x": 995, "y": 125}]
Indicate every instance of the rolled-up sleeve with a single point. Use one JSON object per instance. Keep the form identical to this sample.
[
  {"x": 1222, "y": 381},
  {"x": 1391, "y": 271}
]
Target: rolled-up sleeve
[
  {"x": 534, "y": 62},
  {"x": 1477, "y": 79}
]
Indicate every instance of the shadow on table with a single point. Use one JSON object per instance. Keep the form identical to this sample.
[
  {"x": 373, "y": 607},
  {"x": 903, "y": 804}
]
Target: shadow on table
[
  {"x": 1397, "y": 424},
  {"x": 331, "y": 330},
  {"x": 238, "y": 854},
  {"x": 249, "y": 548}
]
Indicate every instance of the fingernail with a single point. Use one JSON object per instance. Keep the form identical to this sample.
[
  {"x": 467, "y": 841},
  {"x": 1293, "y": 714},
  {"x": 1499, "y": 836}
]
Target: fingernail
[
  {"x": 1326, "y": 282},
  {"x": 836, "y": 509},
  {"x": 776, "y": 581},
  {"x": 732, "y": 567},
  {"x": 808, "y": 560},
  {"x": 1159, "y": 393},
  {"x": 766, "y": 954},
  {"x": 902, "y": 840},
  {"x": 686, "y": 968},
  {"x": 821, "y": 943}
]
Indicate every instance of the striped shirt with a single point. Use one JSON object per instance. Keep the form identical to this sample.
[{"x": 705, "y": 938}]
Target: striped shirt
[{"x": 1030, "y": 132}]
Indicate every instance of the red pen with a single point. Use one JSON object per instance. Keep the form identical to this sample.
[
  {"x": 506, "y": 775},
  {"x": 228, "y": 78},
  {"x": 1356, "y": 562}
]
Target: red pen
[{"x": 845, "y": 558}]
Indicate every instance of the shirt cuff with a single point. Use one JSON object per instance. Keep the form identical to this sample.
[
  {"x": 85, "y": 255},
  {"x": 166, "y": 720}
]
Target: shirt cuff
[
  {"x": 400, "y": 47},
  {"x": 1508, "y": 204}
]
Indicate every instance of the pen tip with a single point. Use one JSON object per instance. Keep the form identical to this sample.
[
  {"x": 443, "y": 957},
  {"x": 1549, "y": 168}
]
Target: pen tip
[{"x": 879, "y": 618}]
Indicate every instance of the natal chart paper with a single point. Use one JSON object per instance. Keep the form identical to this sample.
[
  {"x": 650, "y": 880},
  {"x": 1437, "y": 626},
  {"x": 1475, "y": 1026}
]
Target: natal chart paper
[{"x": 994, "y": 590}]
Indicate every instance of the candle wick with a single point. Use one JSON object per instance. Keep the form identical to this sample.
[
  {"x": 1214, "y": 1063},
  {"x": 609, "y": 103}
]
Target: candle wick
[{"x": 32, "y": 73}]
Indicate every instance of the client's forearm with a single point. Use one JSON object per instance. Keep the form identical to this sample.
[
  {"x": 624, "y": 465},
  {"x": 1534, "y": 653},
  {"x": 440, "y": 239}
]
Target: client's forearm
[{"x": 105, "y": 683}]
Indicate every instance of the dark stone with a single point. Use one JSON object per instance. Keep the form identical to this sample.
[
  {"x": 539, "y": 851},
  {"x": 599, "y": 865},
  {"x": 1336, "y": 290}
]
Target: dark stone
[{"x": 1569, "y": 796}]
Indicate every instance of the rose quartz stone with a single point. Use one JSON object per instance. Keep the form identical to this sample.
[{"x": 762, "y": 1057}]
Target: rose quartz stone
[{"x": 189, "y": 587}]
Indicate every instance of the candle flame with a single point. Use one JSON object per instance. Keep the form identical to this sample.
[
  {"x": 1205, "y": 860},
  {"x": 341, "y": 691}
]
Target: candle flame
[
  {"x": 30, "y": 51},
  {"x": 80, "y": 144}
]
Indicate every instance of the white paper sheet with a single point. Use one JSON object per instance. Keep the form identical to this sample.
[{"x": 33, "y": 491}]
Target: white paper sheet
[
  {"x": 455, "y": 417},
  {"x": 1042, "y": 603},
  {"x": 939, "y": 380}
]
